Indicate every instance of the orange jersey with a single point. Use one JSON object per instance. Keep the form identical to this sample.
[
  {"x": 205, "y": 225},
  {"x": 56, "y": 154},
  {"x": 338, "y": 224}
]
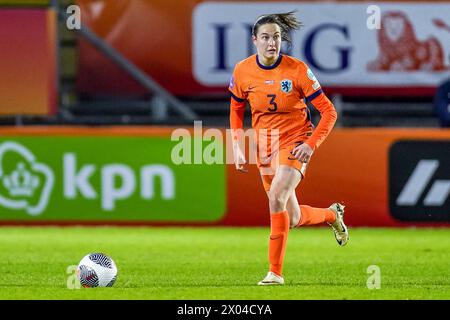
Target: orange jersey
[{"x": 277, "y": 96}]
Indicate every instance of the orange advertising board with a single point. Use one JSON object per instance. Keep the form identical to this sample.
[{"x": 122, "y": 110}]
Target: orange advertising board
[
  {"x": 356, "y": 167},
  {"x": 27, "y": 61}
]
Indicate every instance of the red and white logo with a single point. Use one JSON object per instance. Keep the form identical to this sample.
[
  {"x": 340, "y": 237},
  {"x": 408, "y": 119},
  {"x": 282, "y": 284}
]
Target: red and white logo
[{"x": 401, "y": 50}]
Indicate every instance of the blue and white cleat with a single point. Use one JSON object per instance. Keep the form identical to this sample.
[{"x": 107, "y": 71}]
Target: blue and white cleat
[
  {"x": 271, "y": 279},
  {"x": 339, "y": 228}
]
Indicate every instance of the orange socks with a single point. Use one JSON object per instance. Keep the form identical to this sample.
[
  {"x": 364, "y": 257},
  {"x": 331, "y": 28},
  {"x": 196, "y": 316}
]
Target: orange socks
[
  {"x": 279, "y": 228},
  {"x": 312, "y": 216}
]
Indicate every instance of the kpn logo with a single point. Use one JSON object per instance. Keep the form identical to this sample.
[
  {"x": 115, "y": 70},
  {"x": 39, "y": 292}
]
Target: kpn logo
[
  {"x": 25, "y": 183},
  {"x": 94, "y": 179}
]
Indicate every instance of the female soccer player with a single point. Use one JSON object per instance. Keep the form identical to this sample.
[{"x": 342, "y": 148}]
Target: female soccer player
[{"x": 277, "y": 87}]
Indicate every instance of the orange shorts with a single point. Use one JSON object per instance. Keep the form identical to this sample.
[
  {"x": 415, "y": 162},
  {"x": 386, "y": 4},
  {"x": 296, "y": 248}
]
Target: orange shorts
[{"x": 267, "y": 166}]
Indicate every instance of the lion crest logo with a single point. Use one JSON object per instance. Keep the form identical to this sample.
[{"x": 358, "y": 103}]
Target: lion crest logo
[
  {"x": 400, "y": 50},
  {"x": 286, "y": 85}
]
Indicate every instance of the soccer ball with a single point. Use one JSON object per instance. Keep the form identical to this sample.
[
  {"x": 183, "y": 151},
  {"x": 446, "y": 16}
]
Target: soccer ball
[{"x": 97, "y": 270}]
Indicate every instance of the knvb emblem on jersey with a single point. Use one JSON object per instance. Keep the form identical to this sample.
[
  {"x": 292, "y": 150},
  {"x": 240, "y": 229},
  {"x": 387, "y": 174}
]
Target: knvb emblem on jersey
[
  {"x": 419, "y": 180},
  {"x": 286, "y": 85},
  {"x": 25, "y": 183}
]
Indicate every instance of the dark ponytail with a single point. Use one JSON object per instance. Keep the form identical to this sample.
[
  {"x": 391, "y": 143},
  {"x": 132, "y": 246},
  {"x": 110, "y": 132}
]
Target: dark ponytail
[{"x": 286, "y": 21}]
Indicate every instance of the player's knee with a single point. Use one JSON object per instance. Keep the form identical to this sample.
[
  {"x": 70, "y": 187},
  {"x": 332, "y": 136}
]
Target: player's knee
[{"x": 277, "y": 201}]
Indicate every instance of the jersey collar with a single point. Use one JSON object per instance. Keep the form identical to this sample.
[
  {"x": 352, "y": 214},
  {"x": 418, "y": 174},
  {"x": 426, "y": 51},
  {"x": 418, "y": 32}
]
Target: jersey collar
[{"x": 276, "y": 64}]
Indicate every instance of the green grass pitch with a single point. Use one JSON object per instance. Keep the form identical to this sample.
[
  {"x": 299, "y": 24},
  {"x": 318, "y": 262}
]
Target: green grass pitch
[{"x": 226, "y": 263}]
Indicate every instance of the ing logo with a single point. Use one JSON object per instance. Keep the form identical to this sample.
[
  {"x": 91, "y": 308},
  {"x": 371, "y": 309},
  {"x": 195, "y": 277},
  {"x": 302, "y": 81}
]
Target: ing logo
[
  {"x": 25, "y": 183},
  {"x": 400, "y": 48}
]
